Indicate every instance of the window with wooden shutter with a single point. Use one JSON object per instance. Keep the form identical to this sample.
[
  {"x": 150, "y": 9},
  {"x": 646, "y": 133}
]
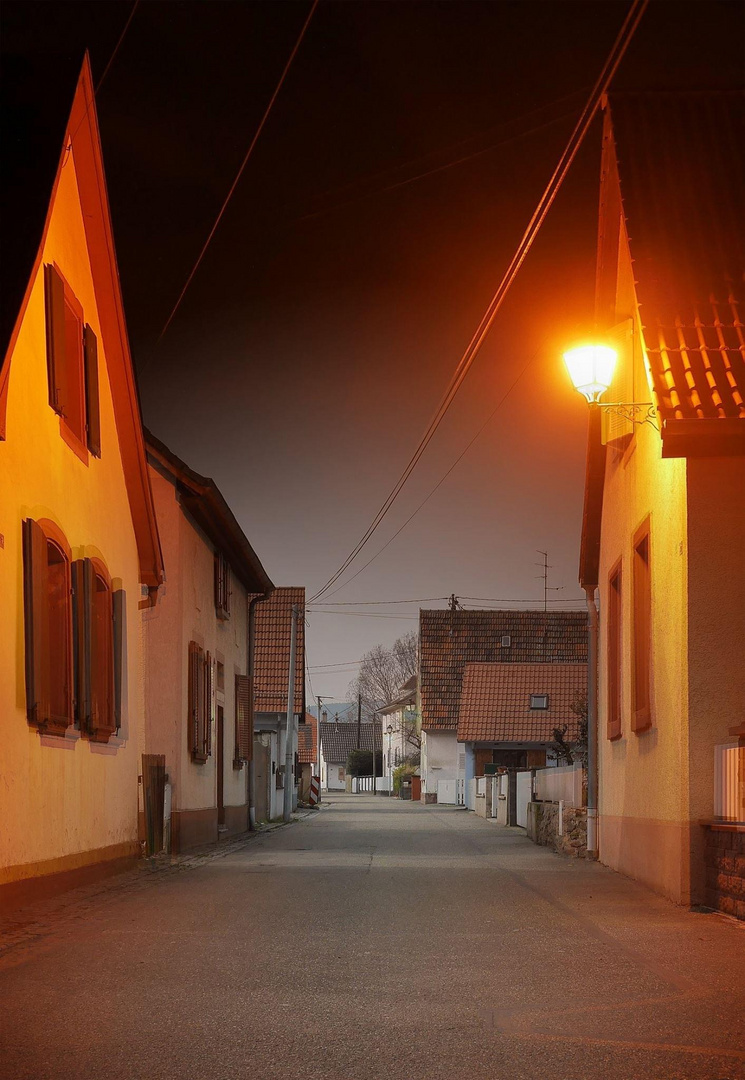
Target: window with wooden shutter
[
  {"x": 92, "y": 409},
  {"x": 222, "y": 586},
  {"x": 200, "y": 703},
  {"x": 47, "y": 627},
  {"x": 72, "y": 366},
  {"x": 82, "y": 586},
  {"x": 243, "y": 718},
  {"x": 97, "y": 650},
  {"x": 642, "y": 630},
  {"x": 614, "y": 652},
  {"x": 119, "y": 617}
]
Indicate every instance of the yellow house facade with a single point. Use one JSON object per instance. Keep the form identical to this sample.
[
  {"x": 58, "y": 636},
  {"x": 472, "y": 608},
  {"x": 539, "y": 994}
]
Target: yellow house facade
[
  {"x": 80, "y": 550},
  {"x": 664, "y": 527}
]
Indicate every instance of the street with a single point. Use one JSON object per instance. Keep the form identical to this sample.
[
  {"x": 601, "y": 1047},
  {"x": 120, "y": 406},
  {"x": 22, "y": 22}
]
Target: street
[{"x": 374, "y": 939}]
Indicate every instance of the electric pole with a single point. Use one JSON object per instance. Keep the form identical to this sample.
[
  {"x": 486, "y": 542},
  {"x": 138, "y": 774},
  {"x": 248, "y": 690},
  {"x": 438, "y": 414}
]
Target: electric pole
[
  {"x": 319, "y": 699},
  {"x": 290, "y": 724},
  {"x": 359, "y": 719}
]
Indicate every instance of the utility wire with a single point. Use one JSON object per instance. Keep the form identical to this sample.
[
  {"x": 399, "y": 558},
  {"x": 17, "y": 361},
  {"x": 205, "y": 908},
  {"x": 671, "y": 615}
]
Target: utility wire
[
  {"x": 370, "y": 603},
  {"x": 439, "y": 483},
  {"x": 233, "y": 186},
  {"x": 546, "y": 201}
]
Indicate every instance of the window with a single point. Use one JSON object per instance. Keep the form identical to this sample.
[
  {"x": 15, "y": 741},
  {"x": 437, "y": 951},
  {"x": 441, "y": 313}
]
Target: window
[
  {"x": 220, "y": 675},
  {"x": 539, "y": 701},
  {"x": 614, "y": 652},
  {"x": 244, "y": 735},
  {"x": 222, "y": 586},
  {"x": 72, "y": 366},
  {"x": 47, "y": 627},
  {"x": 642, "y": 628},
  {"x": 200, "y": 703}
]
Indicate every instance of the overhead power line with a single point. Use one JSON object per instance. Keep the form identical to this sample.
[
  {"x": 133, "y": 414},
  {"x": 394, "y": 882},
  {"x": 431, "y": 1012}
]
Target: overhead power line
[
  {"x": 233, "y": 186},
  {"x": 544, "y": 204}
]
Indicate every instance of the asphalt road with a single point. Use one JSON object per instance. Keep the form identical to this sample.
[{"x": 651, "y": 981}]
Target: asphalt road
[{"x": 375, "y": 939}]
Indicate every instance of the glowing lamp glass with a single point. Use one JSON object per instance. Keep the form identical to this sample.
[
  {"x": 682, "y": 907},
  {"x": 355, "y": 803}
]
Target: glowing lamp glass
[{"x": 590, "y": 368}]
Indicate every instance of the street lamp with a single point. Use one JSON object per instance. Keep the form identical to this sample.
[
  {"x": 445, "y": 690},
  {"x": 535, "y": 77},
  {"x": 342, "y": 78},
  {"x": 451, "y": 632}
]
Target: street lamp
[
  {"x": 389, "y": 731},
  {"x": 591, "y": 370}
]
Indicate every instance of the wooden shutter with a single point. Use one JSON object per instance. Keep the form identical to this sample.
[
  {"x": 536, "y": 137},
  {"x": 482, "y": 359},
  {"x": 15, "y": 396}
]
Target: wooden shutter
[
  {"x": 642, "y": 612},
  {"x": 196, "y": 699},
  {"x": 207, "y": 713},
  {"x": 36, "y": 625},
  {"x": 54, "y": 302},
  {"x": 82, "y": 590},
  {"x": 92, "y": 412},
  {"x": 614, "y": 653},
  {"x": 119, "y": 615},
  {"x": 244, "y": 717}
]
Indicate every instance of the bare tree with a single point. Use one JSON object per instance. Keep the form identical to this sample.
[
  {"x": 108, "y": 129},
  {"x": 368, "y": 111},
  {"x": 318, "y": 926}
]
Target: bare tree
[{"x": 383, "y": 672}]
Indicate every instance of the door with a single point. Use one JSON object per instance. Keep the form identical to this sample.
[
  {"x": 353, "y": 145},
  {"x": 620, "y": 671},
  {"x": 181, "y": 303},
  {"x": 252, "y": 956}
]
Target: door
[
  {"x": 524, "y": 792},
  {"x": 154, "y": 784},
  {"x": 220, "y": 766},
  {"x": 262, "y": 772}
]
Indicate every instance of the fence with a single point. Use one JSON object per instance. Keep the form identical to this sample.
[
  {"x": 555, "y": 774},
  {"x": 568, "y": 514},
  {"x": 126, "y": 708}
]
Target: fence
[
  {"x": 361, "y": 784},
  {"x": 560, "y": 785},
  {"x": 729, "y": 782}
]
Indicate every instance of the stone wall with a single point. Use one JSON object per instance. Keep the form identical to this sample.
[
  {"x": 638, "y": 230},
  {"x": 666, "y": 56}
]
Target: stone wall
[
  {"x": 543, "y": 828},
  {"x": 725, "y": 869}
]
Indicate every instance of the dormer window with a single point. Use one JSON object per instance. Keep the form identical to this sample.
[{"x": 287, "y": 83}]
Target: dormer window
[
  {"x": 72, "y": 366},
  {"x": 222, "y": 586},
  {"x": 539, "y": 701}
]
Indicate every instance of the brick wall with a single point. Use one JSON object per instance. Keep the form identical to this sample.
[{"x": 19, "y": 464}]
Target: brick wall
[{"x": 725, "y": 869}]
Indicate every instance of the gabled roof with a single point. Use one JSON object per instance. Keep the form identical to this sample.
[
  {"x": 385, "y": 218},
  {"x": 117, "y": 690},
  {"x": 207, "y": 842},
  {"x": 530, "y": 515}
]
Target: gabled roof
[
  {"x": 204, "y": 501},
  {"x": 405, "y": 698},
  {"x": 307, "y": 744},
  {"x": 681, "y": 169},
  {"x": 448, "y": 640},
  {"x": 337, "y": 740},
  {"x": 495, "y": 702},
  {"x": 82, "y": 124},
  {"x": 272, "y": 657}
]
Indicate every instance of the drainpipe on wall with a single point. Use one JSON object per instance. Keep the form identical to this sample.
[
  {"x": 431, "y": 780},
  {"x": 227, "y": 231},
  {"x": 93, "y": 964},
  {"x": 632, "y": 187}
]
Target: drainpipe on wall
[
  {"x": 592, "y": 724},
  {"x": 250, "y": 778}
]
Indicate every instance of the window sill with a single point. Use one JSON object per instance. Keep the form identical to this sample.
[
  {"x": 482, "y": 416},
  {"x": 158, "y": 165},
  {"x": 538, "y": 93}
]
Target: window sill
[{"x": 69, "y": 436}]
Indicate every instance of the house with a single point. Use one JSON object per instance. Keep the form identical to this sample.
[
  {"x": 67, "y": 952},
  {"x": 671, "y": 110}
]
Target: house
[
  {"x": 337, "y": 742},
  {"x": 271, "y": 678},
  {"x": 197, "y": 661},
  {"x": 451, "y": 639},
  {"x": 664, "y": 521},
  {"x": 307, "y": 755},
  {"x": 79, "y": 551},
  {"x": 403, "y": 741},
  {"x": 508, "y": 712}
]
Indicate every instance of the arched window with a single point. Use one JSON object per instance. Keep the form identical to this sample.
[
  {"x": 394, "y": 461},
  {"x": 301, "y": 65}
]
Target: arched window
[{"x": 48, "y": 626}]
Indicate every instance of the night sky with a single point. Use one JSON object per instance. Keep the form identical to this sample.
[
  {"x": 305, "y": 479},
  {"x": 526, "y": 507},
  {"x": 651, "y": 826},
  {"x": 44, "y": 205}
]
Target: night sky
[{"x": 337, "y": 297}]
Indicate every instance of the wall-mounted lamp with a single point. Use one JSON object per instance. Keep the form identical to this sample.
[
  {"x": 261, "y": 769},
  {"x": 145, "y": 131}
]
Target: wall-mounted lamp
[{"x": 591, "y": 370}]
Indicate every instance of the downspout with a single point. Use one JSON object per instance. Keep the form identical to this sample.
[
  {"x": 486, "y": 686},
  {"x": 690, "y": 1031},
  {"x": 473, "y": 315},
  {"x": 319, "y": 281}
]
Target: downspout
[
  {"x": 251, "y": 774},
  {"x": 592, "y": 723}
]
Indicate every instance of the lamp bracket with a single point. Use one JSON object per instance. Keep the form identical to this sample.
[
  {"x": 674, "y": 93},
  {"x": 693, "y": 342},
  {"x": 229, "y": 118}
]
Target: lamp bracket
[{"x": 636, "y": 412}]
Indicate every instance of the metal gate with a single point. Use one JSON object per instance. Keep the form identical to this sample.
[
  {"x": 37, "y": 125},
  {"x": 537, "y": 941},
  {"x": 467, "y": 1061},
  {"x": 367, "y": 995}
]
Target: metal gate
[{"x": 460, "y": 792}]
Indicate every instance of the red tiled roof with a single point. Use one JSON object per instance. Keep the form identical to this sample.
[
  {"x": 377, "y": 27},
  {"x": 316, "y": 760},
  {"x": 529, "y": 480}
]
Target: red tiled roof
[
  {"x": 272, "y": 657},
  {"x": 307, "y": 746},
  {"x": 681, "y": 165},
  {"x": 338, "y": 739},
  {"x": 448, "y": 640},
  {"x": 495, "y": 701}
]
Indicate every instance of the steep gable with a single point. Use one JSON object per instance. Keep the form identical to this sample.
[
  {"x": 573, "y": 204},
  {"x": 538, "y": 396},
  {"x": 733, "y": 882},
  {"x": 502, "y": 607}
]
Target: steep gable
[{"x": 82, "y": 143}]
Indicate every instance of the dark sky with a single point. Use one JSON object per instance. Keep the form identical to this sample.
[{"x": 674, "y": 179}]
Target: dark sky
[{"x": 335, "y": 300}]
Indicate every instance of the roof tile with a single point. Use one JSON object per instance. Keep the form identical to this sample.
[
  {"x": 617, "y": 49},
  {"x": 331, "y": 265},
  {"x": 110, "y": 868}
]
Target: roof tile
[
  {"x": 272, "y": 657},
  {"x": 495, "y": 701}
]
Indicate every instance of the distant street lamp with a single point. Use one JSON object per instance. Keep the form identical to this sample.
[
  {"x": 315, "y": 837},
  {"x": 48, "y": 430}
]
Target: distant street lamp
[{"x": 389, "y": 730}]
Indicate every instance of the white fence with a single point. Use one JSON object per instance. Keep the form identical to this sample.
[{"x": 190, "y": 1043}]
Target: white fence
[
  {"x": 362, "y": 784},
  {"x": 729, "y": 782},
  {"x": 560, "y": 785}
]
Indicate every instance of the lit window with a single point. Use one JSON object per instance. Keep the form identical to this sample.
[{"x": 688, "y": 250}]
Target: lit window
[{"x": 539, "y": 701}]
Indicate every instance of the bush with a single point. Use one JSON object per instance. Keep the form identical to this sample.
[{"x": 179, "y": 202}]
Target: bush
[{"x": 399, "y": 774}]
